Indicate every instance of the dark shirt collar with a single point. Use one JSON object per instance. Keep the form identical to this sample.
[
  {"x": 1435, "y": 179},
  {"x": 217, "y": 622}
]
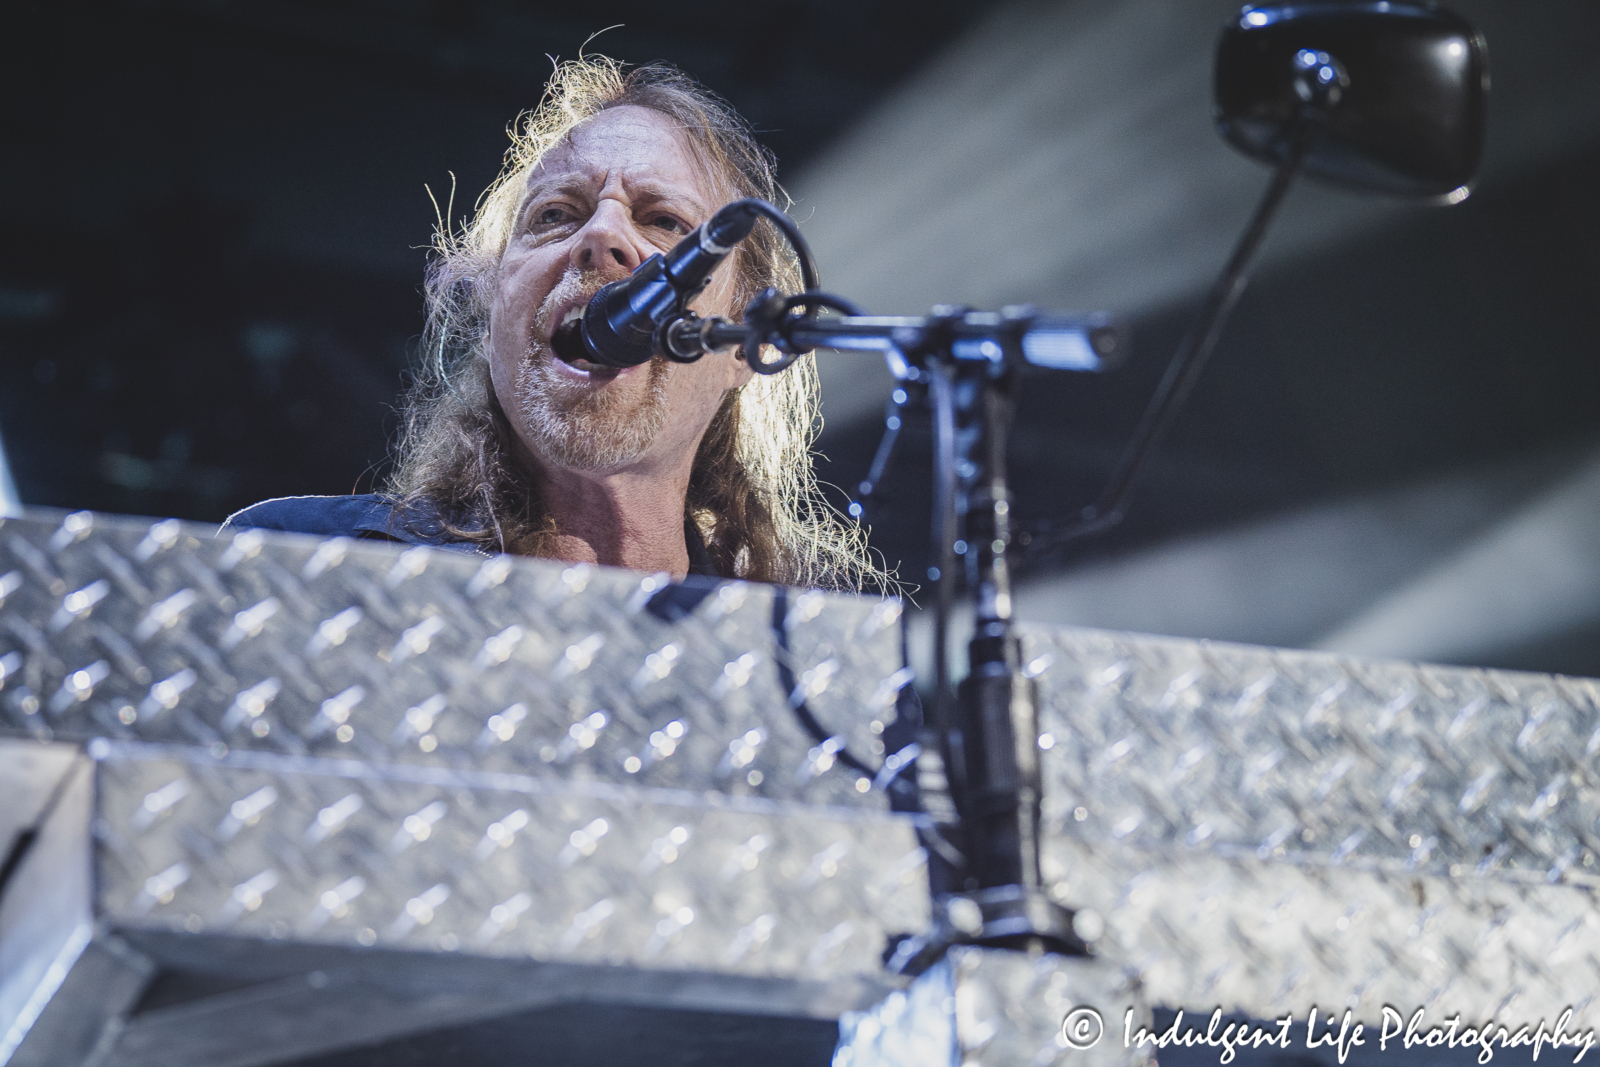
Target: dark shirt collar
[
  {"x": 421, "y": 524},
  {"x": 699, "y": 558}
]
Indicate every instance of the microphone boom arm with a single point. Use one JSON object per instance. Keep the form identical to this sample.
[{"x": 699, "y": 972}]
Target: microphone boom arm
[{"x": 1056, "y": 342}]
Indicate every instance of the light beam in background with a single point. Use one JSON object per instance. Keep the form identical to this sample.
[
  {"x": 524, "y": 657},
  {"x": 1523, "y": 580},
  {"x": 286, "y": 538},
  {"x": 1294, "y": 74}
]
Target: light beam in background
[
  {"x": 1290, "y": 578},
  {"x": 1534, "y": 576},
  {"x": 1455, "y": 569},
  {"x": 1064, "y": 154}
]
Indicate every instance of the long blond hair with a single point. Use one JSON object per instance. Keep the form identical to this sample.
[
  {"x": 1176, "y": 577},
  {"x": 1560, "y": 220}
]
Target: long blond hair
[{"x": 752, "y": 491}]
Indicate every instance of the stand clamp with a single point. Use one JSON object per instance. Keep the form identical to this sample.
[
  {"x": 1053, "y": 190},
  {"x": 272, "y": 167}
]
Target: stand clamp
[{"x": 1007, "y": 916}]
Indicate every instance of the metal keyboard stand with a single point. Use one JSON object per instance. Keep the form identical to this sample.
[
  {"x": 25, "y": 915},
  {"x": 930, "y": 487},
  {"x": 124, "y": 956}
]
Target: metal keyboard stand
[
  {"x": 368, "y": 792},
  {"x": 1266, "y": 831},
  {"x": 462, "y": 795}
]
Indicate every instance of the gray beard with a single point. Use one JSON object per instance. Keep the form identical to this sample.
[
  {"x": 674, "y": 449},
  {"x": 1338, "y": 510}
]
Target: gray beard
[{"x": 575, "y": 425}]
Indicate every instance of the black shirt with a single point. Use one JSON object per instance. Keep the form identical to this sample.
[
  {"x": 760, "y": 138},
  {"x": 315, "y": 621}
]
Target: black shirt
[{"x": 371, "y": 515}]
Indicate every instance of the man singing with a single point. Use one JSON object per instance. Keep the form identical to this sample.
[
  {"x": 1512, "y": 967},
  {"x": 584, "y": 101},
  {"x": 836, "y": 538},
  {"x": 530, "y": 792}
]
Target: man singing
[{"x": 700, "y": 468}]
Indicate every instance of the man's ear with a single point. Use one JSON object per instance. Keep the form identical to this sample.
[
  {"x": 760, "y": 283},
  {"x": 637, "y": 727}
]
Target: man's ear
[{"x": 740, "y": 374}]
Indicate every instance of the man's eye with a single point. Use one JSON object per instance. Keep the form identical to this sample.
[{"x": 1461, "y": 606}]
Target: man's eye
[
  {"x": 552, "y": 216},
  {"x": 670, "y": 224}
]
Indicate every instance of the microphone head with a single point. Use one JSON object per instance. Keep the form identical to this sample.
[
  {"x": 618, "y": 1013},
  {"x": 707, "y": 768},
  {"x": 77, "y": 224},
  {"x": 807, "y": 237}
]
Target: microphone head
[
  {"x": 614, "y": 334},
  {"x": 619, "y": 324},
  {"x": 594, "y": 339},
  {"x": 731, "y": 224}
]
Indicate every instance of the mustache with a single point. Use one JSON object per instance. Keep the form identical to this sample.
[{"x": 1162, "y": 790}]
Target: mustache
[{"x": 575, "y": 287}]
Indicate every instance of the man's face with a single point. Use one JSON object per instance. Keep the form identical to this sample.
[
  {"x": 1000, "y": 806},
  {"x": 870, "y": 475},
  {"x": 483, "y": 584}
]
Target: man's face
[{"x": 621, "y": 188}]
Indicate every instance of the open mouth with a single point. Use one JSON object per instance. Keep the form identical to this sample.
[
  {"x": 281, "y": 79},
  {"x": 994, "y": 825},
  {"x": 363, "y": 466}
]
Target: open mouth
[{"x": 567, "y": 343}]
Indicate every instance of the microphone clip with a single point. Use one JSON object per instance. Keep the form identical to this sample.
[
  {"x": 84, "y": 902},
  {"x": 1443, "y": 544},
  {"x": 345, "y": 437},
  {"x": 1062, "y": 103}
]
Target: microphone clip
[
  {"x": 766, "y": 318},
  {"x": 682, "y": 338}
]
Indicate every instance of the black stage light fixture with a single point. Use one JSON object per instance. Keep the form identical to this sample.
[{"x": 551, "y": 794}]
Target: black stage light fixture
[
  {"x": 1411, "y": 81},
  {"x": 1375, "y": 96}
]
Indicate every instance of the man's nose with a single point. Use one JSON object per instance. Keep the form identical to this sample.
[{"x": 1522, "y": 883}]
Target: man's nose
[{"x": 607, "y": 240}]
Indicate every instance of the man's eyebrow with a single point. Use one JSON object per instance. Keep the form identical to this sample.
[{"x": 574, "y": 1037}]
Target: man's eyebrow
[
  {"x": 643, "y": 191},
  {"x": 651, "y": 191},
  {"x": 572, "y": 185},
  {"x": 567, "y": 183}
]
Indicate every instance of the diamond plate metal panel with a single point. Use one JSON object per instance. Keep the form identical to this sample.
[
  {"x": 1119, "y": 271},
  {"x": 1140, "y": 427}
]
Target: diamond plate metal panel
[
  {"x": 349, "y": 744},
  {"x": 982, "y": 1007},
  {"x": 45, "y": 893},
  {"x": 277, "y": 848},
  {"x": 1263, "y": 829},
  {"x": 335, "y": 746},
  {"x": 344, "y": 649}
]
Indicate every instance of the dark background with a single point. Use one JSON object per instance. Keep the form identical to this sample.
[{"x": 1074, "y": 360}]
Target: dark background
[
  {"x": 217, "y": 216},
  {"x": 217, "y": 212}
]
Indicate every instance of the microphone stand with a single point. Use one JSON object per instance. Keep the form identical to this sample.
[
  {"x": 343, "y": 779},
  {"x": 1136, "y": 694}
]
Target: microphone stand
[{"x": 979, "y": 770}]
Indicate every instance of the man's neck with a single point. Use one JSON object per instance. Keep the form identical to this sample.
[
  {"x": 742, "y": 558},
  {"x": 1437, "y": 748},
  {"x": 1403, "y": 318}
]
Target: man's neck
[{"x": 619, "y": 520}]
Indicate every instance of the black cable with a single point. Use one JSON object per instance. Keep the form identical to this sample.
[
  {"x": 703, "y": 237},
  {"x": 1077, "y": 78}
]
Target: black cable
[
  {"x": 814, "y": 301},
  {"x": 770, "y": 321},
  {"x": 791, "y": 688},
  {"x": 786, "y": 226}
]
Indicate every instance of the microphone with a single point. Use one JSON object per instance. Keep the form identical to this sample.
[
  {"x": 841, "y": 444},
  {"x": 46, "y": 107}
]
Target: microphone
[{"x": 619, "y": 326}]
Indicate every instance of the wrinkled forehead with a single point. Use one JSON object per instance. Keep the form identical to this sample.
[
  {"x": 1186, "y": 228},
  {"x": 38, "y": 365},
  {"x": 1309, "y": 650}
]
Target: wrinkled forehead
[{"x": 637, "y": 147}]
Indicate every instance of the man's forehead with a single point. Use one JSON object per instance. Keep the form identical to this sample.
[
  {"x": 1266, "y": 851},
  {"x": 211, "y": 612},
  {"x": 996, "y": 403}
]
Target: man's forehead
[{"x": 639, "y": 147}]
